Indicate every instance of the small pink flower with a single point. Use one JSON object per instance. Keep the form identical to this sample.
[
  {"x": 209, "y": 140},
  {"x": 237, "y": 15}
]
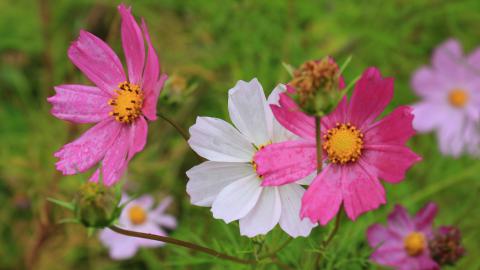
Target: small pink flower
[
  {"x": 118, "y": 105},
  {"x": 357, "y": 150},
  {"x": 450, "y": 99},
  {"x": 138, "y": 215},
  {"x": 403, "y": 244}
]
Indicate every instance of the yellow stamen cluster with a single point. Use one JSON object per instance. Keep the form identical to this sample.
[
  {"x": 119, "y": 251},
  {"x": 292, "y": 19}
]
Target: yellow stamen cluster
[
  {"x": 414, "y": 243},
  {"x": 458, "y": 98},
  {"x": 343, "y": 143},
  {"x": 254, "y": 164},
  {"x": 127, "y": 105},
  {"x": 137, "y": 215}
]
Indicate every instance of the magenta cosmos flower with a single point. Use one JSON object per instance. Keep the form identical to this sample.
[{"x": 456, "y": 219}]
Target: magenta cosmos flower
[
  {"x": 403, "y": 244},
  {"x": 118, "y": 105},
  {"x": 138, "y": 215},
  {"x": 357, "y": 151},
  {"x": 450, "y": 93}
]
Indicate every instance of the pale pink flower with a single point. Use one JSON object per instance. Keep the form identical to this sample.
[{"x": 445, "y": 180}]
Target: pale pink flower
[
  {"x": 357, "y": 151},
  {"x": 403, "y": 243},
  {"x": 119, "y": 106},
  {"x": 228, "y": 182},
  {"x": 450, "y": 99},
  {"x": 138, "y": 215}
]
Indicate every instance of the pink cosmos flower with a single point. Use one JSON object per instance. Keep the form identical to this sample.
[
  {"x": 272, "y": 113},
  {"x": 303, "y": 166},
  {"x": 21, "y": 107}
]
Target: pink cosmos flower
[
  {"x": 138, "y": 215},
  {"x": 450, "y": 95},
  {"x": 357, "y": 150},
  {"x": 119, "y": 106},
  {"x": 403, "y": 244}
]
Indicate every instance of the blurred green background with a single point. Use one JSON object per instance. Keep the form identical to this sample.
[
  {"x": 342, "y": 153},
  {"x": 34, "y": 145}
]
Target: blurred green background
[{"x": 205, "y": 47}]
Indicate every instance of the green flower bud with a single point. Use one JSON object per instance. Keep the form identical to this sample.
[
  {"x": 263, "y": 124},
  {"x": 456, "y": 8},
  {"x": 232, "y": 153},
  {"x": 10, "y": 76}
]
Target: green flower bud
[
  {"x": 316, "y": 84},
  {"x": 96, "y": 205}
]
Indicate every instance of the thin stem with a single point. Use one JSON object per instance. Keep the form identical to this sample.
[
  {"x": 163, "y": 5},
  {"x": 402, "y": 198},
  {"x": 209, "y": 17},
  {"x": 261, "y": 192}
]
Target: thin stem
[
  {"x": 173, "y": 124},
  {"x": 181, "y": 243},
  {"x": 335, "y": 229},
  {"x": 284, "y": 244},
  {"x": 318, "y": 138},
  {"x": 330, "y": 236}
]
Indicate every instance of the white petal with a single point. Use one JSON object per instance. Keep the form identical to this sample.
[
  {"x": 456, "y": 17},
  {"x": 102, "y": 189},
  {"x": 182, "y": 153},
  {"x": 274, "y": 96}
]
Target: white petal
[
  {"x": 237, "y": 199},
  {"x": 278, "y": 132},
  {"x": 247, "y": 106},
  {"x": 208, "y": 179},
  {"x": 264, "y": 215},
  {"x": 217, "y": 140},
  {"x": 290, "y": 222}
]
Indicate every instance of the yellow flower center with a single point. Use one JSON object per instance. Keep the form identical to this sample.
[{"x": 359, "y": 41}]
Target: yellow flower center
[
  {"x": 137, "y": 215},
  {"x": 254, "y": 164},
  {"x": 458, "y": 98},
  {"x": 343, "y": 143},
  {"x": 127, "y": 105},
  {"x": 414, "y": 243}
]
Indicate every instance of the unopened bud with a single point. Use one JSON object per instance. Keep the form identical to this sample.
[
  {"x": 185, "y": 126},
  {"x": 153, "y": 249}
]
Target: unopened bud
[
  {"x": 316, "y": 84},
  {"x": 446, "y": 247},
  {"x": 96, "y": 205}
]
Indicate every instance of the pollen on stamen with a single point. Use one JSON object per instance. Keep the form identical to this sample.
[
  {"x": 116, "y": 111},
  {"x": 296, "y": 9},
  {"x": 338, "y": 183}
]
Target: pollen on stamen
[
  {"x": 127, "y": 105},
  {"x": 343, "y": 143}
]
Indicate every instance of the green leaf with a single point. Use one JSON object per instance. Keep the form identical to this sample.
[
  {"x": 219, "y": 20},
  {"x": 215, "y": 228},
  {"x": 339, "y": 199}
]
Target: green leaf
[
  {"x": 290, "y": 69},
  {"x": 68, "y": 205}
]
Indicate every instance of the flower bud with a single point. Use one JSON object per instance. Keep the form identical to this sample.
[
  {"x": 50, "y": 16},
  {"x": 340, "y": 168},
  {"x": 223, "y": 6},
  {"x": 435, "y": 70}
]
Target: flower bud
[
  {"x": 96, "y": 205},
  {"x": 445, "y": 246},
  {"x": 317, "y": 83}
]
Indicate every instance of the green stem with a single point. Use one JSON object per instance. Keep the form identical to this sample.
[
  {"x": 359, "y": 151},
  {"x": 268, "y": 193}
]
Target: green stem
[
  {"x": 181, "y": 243},
  {"x": 173, "y": 124},
  {"x": 276, "y": 250},
  {"x": 329, "y": 239},
  {"x": 318, "y": 139}
]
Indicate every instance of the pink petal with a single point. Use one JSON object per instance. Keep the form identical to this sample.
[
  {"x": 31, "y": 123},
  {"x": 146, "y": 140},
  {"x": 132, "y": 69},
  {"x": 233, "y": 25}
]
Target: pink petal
[
  {"x": 447, "y": 58},
  {"x": 389, "y": 254},
  {"x": 150, "y": 102},
  {"x": 474, "y": 59},
  {"x": 138, "y": 136},
  {"x": 323, "y": 197},
  {"x": 152, "y": 66},
  {"x": 423, "y": 262},
  {"x": 427, "y": 83},
  {"x": 133, "y": 45},
  {"x": 80, "y": 103},
  {"x": 115, "y": 161},
  {"x": 86, "y": 151},
  {"x": 396, "y": 128},
  {"x": 339, "y": 115},
  {"x": 424, "y": 218},
  {"x": 399, "y": 221},
  {"x": 286, "y": 162},
  {"x": 389, "y": 162},
  {"x": 430, "y": 115},
  {"x": 289, "y": 115},
  {"x": 378, "y": 235},
  {"x": 97, "y": 61},
  {"x": 371, "y": 95},
  {"x": 362, "y": 191}
]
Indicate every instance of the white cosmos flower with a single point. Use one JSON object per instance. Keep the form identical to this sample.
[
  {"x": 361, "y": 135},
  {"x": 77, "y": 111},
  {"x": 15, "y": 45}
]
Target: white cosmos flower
[{"x": 228, "y": 182}]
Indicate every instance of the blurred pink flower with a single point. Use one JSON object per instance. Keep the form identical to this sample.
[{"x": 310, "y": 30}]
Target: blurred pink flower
[
  {"x": 138, "y": 215},
  {"x": 228, "y": 182},
  {"x": 357, "y": 150},
  {"x": 450, "y": 99},
  {"x": 119, "y": 106},
  {"x": 403, "y": 244}
]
